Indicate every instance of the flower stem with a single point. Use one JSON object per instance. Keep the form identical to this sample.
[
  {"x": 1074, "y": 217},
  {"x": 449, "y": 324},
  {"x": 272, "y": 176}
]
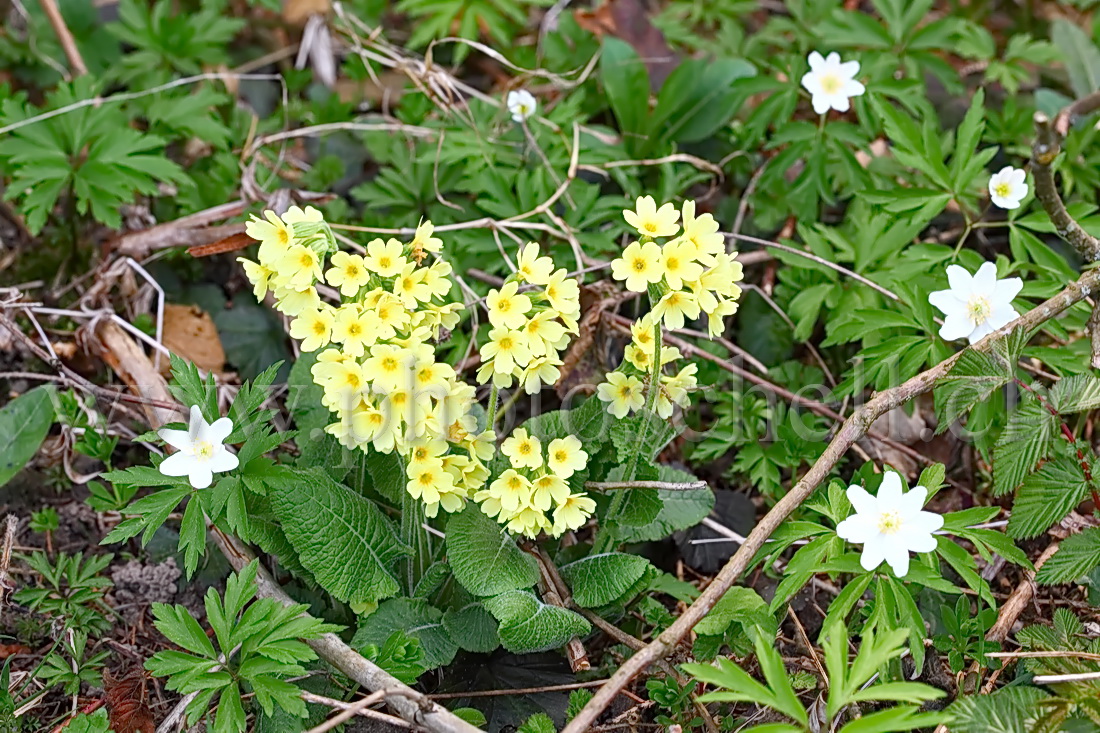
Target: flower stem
[{"x": 492, "y": 414}]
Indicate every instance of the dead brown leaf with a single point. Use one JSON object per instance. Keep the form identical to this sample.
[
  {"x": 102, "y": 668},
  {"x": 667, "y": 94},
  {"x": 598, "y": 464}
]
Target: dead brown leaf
[
  {"x": 189, "y": 332},
  {"x": 297, "y": 12},
  {"x": 628, "y": 20},
  {"x": 127, "y": 702},
  {"x": 10, "y": 650}
]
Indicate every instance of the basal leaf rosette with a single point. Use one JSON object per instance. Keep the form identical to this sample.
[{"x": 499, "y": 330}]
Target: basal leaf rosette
[{"x": 376, "y": 358}]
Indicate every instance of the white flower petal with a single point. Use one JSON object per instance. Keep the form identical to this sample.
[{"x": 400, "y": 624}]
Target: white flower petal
[
  {"x": 177, "y": 464},
  {"x": 912, "y": 501},
  {"x": 985, "y": 279},
  {"x": 853, "y": 88},
  {"x": 849, "y": 69},
  {"x": 196, "y": 423},
  {"x": 833, "y": 59},
  {"x": 222, "y": 461},
  {"x": 946, "y": 301},
  {"x": 916, "y": 541},
  {"x": 889, "y": 491},
  {"x": 1006, "y": 290},
  {"x": 1002, "y": 315},
  {"x": 956, "y": 326},
  {"x": 815, "y": 60},
  {"x": 820, "y": 103},
  {"x": 178, "y": 439},
  {"x": 858, "y": 529},
  {"x": 926, "y": 522},
  {"x": 219, "y": 430},
  {"x": 959, "y": 279},
  {"x": 200, "y": 476},
  {"x": 862, "y": 501},
  {"x": 897, "y": 557},
  {"x": 980, "y": 331},
  {"x": 874, "y": 552},
  {"x": 839, "y": 102}
]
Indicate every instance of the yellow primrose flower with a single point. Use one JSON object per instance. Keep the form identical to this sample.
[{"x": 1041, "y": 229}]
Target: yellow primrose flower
[
  {"x": 296, "y": 214},
  {"x": 354, "y": 429},
  {"x": 674, "y": 306},
  {"x": 638, "y": 357},
  {"x": 565, "y": 457},
  {"x": 543, "y": 332},
  {"x": 540, "y": 371},
  {"x": 355, "y": 329},
  {"x": 259, "y": 275},
  {"x": 532, "y": 268},
  {"x": 678, "y": 261},
  {"x": 437, "y": 279},
  {"x": 300, "y": 265},
  {"x": 293, "y": 301},
  {"x": 348, "y": 272},
  {"x": 572, "y": 513},
  {"x": 410, "y": 287},
  {"x": 563, "y": 292},
  {"x": 428, "y": 479},
  {"x": 423, "y": 241},
  {"x": 388, "y": 366},
  {"x": 622, "y": 392},
  {"x": 651, "y": 221},
  {"x": 426, "y": 450},
  {"x": 548, "y": 489},
  {"x": 512, "y": 490},
  {"x": 432, "y": 377},
  {"x": 703, "y": 234},
  {"x": 483, "y": 446},
  {"x": 313, "y": 328},
  {"x": 392, "y": 315},
  {"x": 346, "y": 382},
  {"x": 720, "y": 277},
  {"x": 529, "y": 522},
  {"x": 523, "y": 450},
  {"x": 385, "y": 258},
  {"x": 433, "y": 317},
  {"x": 639, "y": 266},
  {"x": 274, "y": 232},
  {"x": 715, "y": 324},
  {"x": 508, "y": 308},
  {"x": 507, "y": 348}
]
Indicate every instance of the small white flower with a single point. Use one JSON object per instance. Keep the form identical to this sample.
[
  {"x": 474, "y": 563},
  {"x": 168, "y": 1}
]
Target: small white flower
[
  {"x": 521, "y": 104},
  {"x": 890, "y": 525},
  {"x": 977, "y": 305},
  {"x": 200, "y": 453},
  {"x": 831, "y": 83},
  {"x": 1007, "y": 187}
]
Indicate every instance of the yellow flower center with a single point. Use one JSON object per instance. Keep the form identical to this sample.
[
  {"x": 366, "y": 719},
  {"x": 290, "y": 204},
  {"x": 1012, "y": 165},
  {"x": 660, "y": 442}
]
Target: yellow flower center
[
  {"x": 319, "y": 328},
  {"x": 889, "y": 522},
  {"x": 352, "y": 271},
  {"x": 204, "y": 450},
  {"x": 354, "y": 329},
  {"x": 650, "y": 226},
  {"x": 625, "y": 391},
  {"x": 426, "y": 479},
  {"x": 506, "y": 343},
  {"x": 830, "y": 83},
  {"x": 283, "y": 236},
  {"x": 515, "y": 483},
  {"x": 561, "y": 456},
  {"x": 1002, "y": 189},
  {"x": 525, "y": 448},
  {"x": 384, "y": 262},
  {"x": 638, "y": 264},
  {"x": 306, "y": 260},
  {"x": 504, "y": 306},
  {"x": 979, "y": 309},
  {"x": 672, "y": 263}
]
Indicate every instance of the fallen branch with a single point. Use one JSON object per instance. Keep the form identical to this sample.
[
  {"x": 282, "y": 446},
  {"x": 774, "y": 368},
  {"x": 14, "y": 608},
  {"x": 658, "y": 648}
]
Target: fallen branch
[
  {"x": 666, "y": 485},
  {"x": 65, "y": 37},
  {"x": 854, "y": 428}
]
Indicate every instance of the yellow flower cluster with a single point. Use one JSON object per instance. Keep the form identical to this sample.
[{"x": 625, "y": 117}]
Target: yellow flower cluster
[
  {"x": 522, "y": 495},
  {"x": 624, "y": 390},
  {"x": 690, "y": 274},
  {"x": 377, "y": 363},
  {"x": 529, "y": 328}
]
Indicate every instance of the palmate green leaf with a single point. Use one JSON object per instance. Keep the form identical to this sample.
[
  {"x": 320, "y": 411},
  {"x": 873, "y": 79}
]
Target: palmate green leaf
[
  {"x": 528, "y": 625},
  {"x": 484, "y": 558},
  {"x": 87, "y": 723},
  {"x": 417, "y": 618},
  {"x": 1008, "y": 710},
  {"x": 24, "y": 424},
  {"x": 1046, "y": 497},
  {"x": 1027, "y": 439},
  {"x": 343, "y": 539},
  {"x": 603, "y": 579},
  {"x": 1076, "y": 557}
]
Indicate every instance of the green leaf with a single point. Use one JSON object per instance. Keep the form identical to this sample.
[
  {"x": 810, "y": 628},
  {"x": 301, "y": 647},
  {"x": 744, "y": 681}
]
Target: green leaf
[
  {"x": 1024, "y": 442},
  {"x": 1076, "y": 557},
  {"x": 679, "y": 509},
  {"x": 1081, "y": 55},
  {"x": 698, "y": 98},
  {"x": 600, "y": 580},
  {"x": 1007, "y": 710},
  {"x": 253, "y": 336},
  {"x": 528, "y": 625},
  {"x": 657, "y": 434},
  {"x": 739, "y": 605},
  {"x": 418, "y": 619},
  {"x": 1046, "y": 497},
  {"x": 538, "y": 723},
  {"x": 24, "y": 424},
  {"x": 484, "y": 558},
  {"x": 343, "y": 539},
  {"x": 473, "y": 628},
  {"x": 1076, "y": 393},
  {"x": 84, "y": 723},
  {"x": 901, "y": 718},
  {"x": 626, "y": 83},
  {"x": 971, "y": 380}
]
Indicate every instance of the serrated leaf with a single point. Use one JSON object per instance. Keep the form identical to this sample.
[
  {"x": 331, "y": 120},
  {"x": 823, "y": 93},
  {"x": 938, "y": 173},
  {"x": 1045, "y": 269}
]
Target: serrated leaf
[
  {"x": 484, "y": 558},
  {"x": 603, "y": 579},
  {"x": 417, "y": 618},
  {"x": 644, "y": 433},
  {"x": 1076, "y": 393},
  {"x": 1008, "y": 710},
  {"x": 971, "y": 380},
  {"x": 1075, "y": 558},
  {"x": 1024, "y": 442},
  {"x": 473, "y": 628},
  {"x": 1047, "y": 496},
  {"x": 739, "y": 605},
  {"x": 343, "y": 539},
  {"x": 528, "y": 625},
  {"x": 24, "y": 424},
  {"x": 679, "y": 509}
]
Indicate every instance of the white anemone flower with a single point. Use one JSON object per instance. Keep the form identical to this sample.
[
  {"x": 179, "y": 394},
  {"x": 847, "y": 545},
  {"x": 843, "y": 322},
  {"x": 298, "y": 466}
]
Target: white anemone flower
[
  {"x": 200, "y": 450},
  {"x": 521, "y": 104},
  {"x": 831, "y": 83},
  {"x": 1007, "y": 187},
  {"x": 890, "y": 525},
  {"x": 977, "y": 305}
]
